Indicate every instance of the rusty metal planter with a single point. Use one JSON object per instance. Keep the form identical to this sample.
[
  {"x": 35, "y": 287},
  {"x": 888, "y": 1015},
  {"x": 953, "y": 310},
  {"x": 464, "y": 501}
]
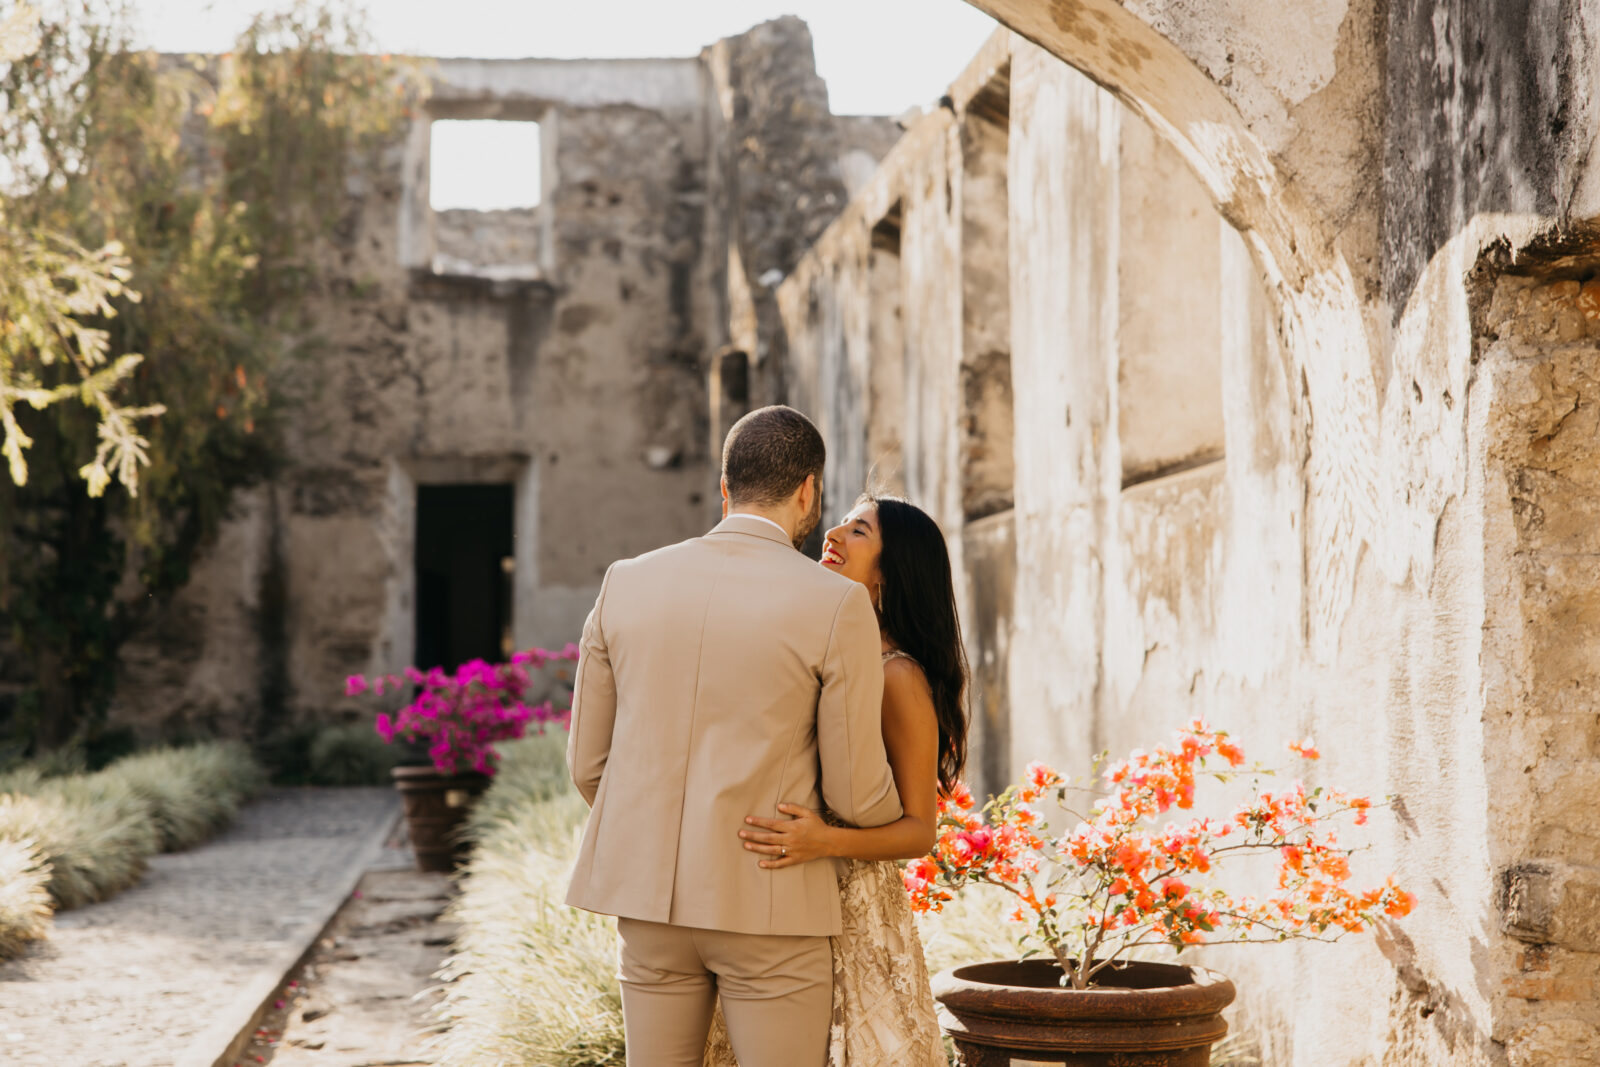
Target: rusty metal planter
[
  {"x": 1016, "y": 1014},
  {"x": 436, "y": 807}
]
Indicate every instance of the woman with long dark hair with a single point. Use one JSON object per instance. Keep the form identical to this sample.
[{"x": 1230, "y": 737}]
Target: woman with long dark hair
[{"x": 882, "y": 1006}]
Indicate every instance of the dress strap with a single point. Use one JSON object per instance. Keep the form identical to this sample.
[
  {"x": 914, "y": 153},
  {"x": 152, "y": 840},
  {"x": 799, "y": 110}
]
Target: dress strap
[{"x": 898, "y": 654}]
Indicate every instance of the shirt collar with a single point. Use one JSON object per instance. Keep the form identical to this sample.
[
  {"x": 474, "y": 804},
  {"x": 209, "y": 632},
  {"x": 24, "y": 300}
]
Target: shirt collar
[
  {"x": 755, "y": 526},
  {"x": 760, "y": 518}
]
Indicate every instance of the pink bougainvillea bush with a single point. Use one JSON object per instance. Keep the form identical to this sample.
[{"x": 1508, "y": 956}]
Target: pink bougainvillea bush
[
  {"x": 463, "y": 715},
  {"x": 1125, "y": 874}
]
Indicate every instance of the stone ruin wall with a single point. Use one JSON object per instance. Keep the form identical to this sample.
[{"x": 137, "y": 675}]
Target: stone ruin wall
[
  {"x": 1231, "y": 496},
  {"x": 1331, "y": 483},
  {"x": 454, "y": 376},
  {"x": 562, "y": 349},
  {"x": 1537, "y": 337}
]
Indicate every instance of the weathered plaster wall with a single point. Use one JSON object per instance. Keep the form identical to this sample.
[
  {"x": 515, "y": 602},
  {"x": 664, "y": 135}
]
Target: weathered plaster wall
[
  {"x": 583, "y": 389},
  {"x": 1064, "y": 214},
  {"x": 1169, "y": 328},
  {"x": 199, "y": 668},
  {"x": 986, "y": 452},
  {"x": 1375, "y": 158},
  {"x": 1255, "y": 481},
  {"x": 470, "y": 242},
  {"x": 785, "y": 167},
  {"x": 562, "y": 350},
  {"x": 875, "y": 317}
]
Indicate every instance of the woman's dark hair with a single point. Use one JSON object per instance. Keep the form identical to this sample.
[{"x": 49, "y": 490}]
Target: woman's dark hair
[{"x": 918, "y": 610}]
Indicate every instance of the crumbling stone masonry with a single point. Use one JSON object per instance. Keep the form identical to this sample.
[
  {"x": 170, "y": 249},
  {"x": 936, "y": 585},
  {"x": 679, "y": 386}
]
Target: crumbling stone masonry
[
  {"x": 1246, "y": 352},
  {"x": 556, "y": 357},
  {"x": 1287, "y": 318}
]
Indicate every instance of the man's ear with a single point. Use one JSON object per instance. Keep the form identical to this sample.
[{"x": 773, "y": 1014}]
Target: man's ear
[
  {"x": 808, "y": 494},
  {"x": 723, "y": 483}
]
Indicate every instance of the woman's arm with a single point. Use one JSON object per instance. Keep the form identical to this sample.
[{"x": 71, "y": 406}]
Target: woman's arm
[{"x": 911, "y": 738}]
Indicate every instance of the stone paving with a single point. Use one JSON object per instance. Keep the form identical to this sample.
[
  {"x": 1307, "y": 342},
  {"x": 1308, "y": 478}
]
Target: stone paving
[
  {"x": 365, "y": 997},
  {"x": 155, "y": 975}
]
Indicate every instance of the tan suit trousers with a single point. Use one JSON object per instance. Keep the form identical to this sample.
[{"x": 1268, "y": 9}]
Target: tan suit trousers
[{"x": 776, "y": 989}]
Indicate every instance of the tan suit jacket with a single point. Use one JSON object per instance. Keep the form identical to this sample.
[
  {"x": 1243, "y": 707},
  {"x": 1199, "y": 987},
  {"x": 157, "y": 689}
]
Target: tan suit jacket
[{"x": 718, "y": 678}]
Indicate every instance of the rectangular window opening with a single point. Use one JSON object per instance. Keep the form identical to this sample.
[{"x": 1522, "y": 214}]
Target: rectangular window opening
[
  {"x": 987, "y": 438},
  {"x": 483, "y": 165},
  {"x": 886, "y": 362},
  {"x": 886, "y": 233},
  {"x": 1172, "y": 339},
  {"x": 484, "y": 188}
]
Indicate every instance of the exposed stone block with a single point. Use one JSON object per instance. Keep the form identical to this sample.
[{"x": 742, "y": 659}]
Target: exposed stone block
[{"x": 1548, "y": 902}]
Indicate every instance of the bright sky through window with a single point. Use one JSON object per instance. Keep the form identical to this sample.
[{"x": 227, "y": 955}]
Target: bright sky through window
[{"x": 483, "y": 164}]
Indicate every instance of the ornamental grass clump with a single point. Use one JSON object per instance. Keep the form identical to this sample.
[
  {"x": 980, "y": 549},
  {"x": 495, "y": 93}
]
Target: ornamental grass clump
[
  {"x": 463, "y": 715},
  {"x": 192, "y": 792},
  {"x": 1123, "y": 877},
  {"x": 533, "y": 772},
  {"x": 94, "y": 830},
  {"x": 532, "y": 982},
  {"x": 24, "y": 897}
]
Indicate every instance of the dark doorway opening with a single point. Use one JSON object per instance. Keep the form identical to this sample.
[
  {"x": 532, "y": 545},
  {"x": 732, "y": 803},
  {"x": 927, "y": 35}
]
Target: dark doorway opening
[{"x": 464, "y": 546}]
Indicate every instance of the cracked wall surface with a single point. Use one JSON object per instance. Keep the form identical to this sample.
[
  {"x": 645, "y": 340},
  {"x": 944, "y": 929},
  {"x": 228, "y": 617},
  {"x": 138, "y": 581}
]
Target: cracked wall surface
[
  {"x": 1301, "y": 322},
  {"x": 562, "y": 350},
  {"x": 1540, "y": 367},
  {"x": 1286, "y": 316}
]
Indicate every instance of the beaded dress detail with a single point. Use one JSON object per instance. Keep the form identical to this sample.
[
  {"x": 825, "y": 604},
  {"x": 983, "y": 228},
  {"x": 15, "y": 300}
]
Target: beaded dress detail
[{"x": 883, "y": 1014}]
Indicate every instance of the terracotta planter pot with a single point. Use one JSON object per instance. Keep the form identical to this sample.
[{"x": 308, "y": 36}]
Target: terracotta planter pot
[
  {"x": 1016, "y": 1014},
  {"x": 436, "y": 807}
]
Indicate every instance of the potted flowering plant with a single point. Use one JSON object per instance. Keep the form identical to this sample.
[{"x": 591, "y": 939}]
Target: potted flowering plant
[
  {"x": 1121, "y": 878},
  {"x": 460, "y": 716}
]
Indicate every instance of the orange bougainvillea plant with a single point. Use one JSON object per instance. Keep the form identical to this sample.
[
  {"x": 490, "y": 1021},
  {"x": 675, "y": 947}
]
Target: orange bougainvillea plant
[{"x": 1129, "y": 874}]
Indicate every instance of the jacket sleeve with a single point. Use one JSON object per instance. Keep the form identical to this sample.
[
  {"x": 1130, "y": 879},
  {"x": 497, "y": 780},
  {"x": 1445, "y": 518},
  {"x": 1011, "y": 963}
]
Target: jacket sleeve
[
  {"x": 594, "y": 705},
  {"x": 857, "y": 783}
]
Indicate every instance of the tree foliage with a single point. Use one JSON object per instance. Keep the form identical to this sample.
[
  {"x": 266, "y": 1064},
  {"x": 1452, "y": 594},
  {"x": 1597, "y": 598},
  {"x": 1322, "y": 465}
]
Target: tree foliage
[
  {"x": 50, "y": 287},
  {"x": 209, "y": 187}
]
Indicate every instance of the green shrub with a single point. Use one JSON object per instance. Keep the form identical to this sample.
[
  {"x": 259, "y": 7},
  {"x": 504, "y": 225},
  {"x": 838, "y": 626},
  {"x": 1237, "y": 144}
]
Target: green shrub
[
  {"x": 1238, "y": 1049},
  {"x": 533, "y": 983},
  {"x": 350, "y": 755},
  {"x": 24, "y": 897},
  {"x": 286, "y": 752},
  {"x": 226, "y": 766}
]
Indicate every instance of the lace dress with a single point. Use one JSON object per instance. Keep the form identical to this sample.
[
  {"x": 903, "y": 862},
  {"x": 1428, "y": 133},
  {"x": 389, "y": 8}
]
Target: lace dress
[{"x": 883, "y": 1013}]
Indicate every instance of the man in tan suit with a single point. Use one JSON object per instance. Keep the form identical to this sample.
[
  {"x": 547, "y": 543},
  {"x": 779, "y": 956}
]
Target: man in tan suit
[{"x": 718, "y": 678}]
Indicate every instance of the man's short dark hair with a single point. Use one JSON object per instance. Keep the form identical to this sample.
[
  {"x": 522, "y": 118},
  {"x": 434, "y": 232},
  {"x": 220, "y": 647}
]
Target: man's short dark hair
[{"x": 769, "y": 453}]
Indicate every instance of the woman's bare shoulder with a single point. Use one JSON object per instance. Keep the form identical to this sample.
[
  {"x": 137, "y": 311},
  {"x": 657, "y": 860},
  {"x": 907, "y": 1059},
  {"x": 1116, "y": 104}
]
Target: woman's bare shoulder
[{"x": 904, "y": 678}]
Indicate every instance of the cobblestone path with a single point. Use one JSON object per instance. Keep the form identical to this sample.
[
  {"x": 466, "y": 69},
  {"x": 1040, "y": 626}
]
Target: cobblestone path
[{"x": 135, "y": 981}]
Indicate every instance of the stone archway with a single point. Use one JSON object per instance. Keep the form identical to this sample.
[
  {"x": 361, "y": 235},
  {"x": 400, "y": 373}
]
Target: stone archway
[{"x": 1445, "y": 357}]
